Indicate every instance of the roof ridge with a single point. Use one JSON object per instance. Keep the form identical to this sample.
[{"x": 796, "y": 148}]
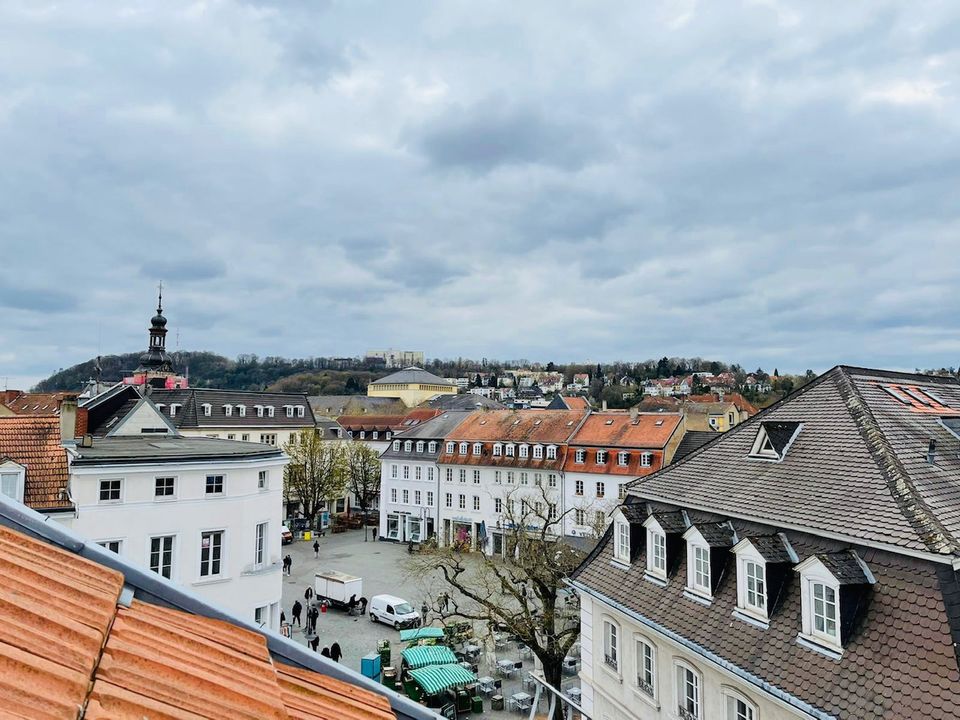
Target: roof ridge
[{"x": 930, "y": 531}]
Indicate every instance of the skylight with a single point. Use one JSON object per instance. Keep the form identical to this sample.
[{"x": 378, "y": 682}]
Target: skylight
[
  {"x": 658, "y": 423},
  {"x": 609, "y": 422},
  {"x": 897, "y": 394},
  {"x": 935, "y": 398}
]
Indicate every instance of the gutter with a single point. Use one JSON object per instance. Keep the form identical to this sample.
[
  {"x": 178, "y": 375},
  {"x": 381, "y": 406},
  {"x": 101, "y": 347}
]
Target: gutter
[{"x": 707, "y": 654}]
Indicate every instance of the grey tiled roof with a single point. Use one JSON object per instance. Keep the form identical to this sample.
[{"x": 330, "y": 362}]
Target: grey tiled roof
[
  {"x": 672, "y": 521},
  {"x": 412, "y": 375},
  {"x": 858, "y": 467},
  {"x": 466, "y": 401},
  {"x": 693, "y": 440},
  {"x": 192, "y": 399},
  {"x": 169, "y": 449},
  {"x": 771, "y": 547},
  {"x": 718, "y": 535},
  {"x": 899, "y": 663},
  {"x": 845, "y": 567},
  {"x": 433, "y": 429}
]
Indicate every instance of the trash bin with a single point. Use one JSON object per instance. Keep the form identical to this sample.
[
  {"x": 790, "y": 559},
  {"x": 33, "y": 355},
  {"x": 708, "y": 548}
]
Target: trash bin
[
  {"x": 496, "y": 702},
  {"x": 383, "y": 648},
  {"x": 370, "y": 666},
  {"x": 477, "y": 704},
  {"x": 390, "y": 676}
]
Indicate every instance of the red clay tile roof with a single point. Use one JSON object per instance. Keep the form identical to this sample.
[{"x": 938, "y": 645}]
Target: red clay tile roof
[
  {"x": 34, "y": 442},
  {"x": 736, "y": 398},
  {"x": 576, "y": 402},
  {"x": 617, "y": 430},
  {"x": 420, "y": 415},
  {"x": 38, "y": 403},
  {"x": 65, "y": 645},
  {"x": 530, "y": 426}
]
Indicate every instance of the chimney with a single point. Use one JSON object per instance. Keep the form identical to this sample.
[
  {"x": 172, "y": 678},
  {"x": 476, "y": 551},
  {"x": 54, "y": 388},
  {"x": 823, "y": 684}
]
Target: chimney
[
  {"x": 634, "y": 415},
  {"x": 931, "y": 451},
  {"x": 68, "y": 420}
]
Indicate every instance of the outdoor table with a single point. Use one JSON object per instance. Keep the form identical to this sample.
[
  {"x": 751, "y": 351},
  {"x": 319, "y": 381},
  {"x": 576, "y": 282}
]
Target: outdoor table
[
  {"x": 506, "y": 667},
  {"x": 471, "y": 649},
  {"x": 528, "y": 680},
  {"x": 522, "y": 701},
  {"x": 486, "y": 684},
  {"x": 574, "y": 694}
]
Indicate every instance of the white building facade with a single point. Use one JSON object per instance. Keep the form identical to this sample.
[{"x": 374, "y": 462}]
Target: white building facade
[{"x": 203, "y": 513}]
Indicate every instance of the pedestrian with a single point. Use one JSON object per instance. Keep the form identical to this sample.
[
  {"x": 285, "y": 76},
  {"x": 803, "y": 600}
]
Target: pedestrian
[
  {"x": 295, "y": 611},
  {"x": 335, "y": 652},
  {"x": 316, "y": 549},
  {"x": 307, "y": 594},
  {"x": 289, "y": 564},
  {"x": 313, "y": 614},
  {"x": 446, "y": 601},
  {"x": 423, "y": 612},
  {"x": 315, "y": 643},
  {"x": 325, "y": 652},
  {"x": 283, "y": 617}
]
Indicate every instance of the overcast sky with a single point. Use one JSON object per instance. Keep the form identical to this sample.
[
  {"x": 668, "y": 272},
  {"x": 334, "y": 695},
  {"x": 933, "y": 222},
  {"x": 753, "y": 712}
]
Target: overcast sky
[{"x": 766, "y": 183}]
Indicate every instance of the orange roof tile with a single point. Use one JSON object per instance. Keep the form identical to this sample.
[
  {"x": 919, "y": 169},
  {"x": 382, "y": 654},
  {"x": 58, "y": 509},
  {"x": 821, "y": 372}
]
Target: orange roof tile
[
  {"x": 576, "y": 402},
  {"x": 65, "y": 645},
  {"x": 617, "y": 430},
  {"x": 421, "y": 415},
  {"x": 40, "y": 404},
  {"x": 309, "y": 696},
  {"x": 736, "y": 398},
  {"x": 532, "y": 426},
  {"x": 34, "y": 442}
]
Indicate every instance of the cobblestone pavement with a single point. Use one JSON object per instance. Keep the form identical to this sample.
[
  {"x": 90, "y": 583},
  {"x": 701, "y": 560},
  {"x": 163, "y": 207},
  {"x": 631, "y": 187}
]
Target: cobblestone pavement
[{"x": 382, "y": 567}]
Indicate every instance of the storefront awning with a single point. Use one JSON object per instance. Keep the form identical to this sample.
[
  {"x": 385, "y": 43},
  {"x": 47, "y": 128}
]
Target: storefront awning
[
  {"x": 421, "y": 633},
  {"x": 418, "y": 657},
  {"x": 435, "y": 678}
]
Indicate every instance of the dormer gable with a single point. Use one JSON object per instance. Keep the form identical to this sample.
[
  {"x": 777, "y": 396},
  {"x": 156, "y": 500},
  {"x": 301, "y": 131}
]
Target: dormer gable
[
  {"x": 834, "y": 593},
  {"x": 708, "y": 549},
  {"x": 774, "y": 439},
  {"x": 664, "y": 543},
  {"x": 764, "y": 568},
  {"x": 628, "y": 532}
]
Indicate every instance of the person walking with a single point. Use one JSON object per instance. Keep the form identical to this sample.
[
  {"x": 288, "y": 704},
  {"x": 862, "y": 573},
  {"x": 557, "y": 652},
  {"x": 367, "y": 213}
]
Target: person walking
[
  {"x": 315, "y": 643},
  {"x": 283, "y": 617},
  {"x": 295, "y": 611},
  {"x": 313, "y": 614},
  {"x": 289, "y": 564},
  {"x": 335, "y": 652},
  {"x": 325, "y": 652},
  {"x": 423, "y": 612},
  {"x": 308, "y": 594},
  {"x": 316, "y": 548}
]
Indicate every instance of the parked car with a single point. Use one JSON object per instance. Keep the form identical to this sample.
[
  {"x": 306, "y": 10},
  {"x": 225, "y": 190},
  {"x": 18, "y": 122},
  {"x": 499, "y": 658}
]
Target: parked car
[
  {"x": 286, "y": 537},
  {"x": 391, "y": 610}
]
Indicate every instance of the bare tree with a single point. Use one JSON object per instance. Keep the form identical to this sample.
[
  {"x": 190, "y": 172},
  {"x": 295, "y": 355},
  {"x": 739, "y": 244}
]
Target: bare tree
[
  {"x": 316, "y": 472},
  {"x": 363, "y": 473},
  {"x": 523, "y": 592}
]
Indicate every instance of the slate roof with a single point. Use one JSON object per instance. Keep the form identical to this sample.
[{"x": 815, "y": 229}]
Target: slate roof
[
  {"x": 333, "y": 406},
  {"x": 160, "y": 449},
  {"x": 412, "y": 376},
  {"x": 857, "y": 468},
  {"x": 716, "y": 535},
  {"x": 466, "y": 401},
  {"x": 780, "y": 433},
  {"x": 672, "y": 521},
  {"x": 900, "y": 662},
  {"x": 693, "y": 440},
  {"x": 191, "y": 414},
  {"x": 845, "y": 567},
  {"x": 434, "y": 429},
  {"x": 771, "y": 547},
  {"x": 72, "y": 643},
  {"x": 369, "y": 423},
  {"x": 34, "y": 443}
]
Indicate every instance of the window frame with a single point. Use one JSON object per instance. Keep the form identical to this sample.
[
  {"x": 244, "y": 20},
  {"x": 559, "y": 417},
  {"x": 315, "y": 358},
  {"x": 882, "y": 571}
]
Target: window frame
[
  {"x": 647, "y": 689},
  {"x": 464, "y": 446},
  {"x": 551, "y": 452},
  {"x": 221, "y": 561},
  {"x": 477, "y": 449},
  {"x": 171, "y": 486},
  {"x": 730, "y": 694},
  {"x": 611, "y": 650},
  {"x": 623, "y": 458},
  {"x": 215, "y": 493},
  {"x": 261, "y": 544},
  {"x": 656, "y": 541},
  {"x": 120, "y": 491},
  {"x": 173, "y": 555},
  {"x": 621, "y": 537},
  {"x": 682, "y": 666},
  {"x": 580, "y": 457},
  {"x": 812, "y": 574}
]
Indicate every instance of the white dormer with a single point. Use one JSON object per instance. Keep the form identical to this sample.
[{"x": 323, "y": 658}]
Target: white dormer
[
  {"x": 656, "y": 550},
  {"x": 623, "y": 458},
  {"x": 774, "y": 439},
  {"x": 756, "y": 558},
  {"x": 826, "y": 582},
  {"x": 524, "y": 450},
  {"x": 228, "y": 410},
  {"x": 538, "y": 452},
  {"x": 645, "y": 459},
  {"x": 408, "y": 446},
  {"x": 12, "y": 480},
  {"x": 160, "y": 407},
  {"x": 477, "y": 448},
  {"x": 601, "y": 457},
  {"x": 698, "y": 564},
  {"x": 207, "y": 409},
  {"x": 289, "y": 409},
  {"x": 551, "y": 452},
  {"x": 463, "y": 448},
  {"x": 580, "y": 457},
  {"x": 242, "y": 410},
  {"x": 174, "y": 409},
  {"x": 269, "y": 410},
  {"x": 419, "y": 446},
  {"x": 510, "y": 449},
  {"x": 497, "y": 449},
  {"x": 301, "y": 411},
  {"x": 450, "y": 446},
  {"x": 621, "y": 537},
  {"x": 396, "y": 446},
  {"x": 259, "y": 409},
  {"x": 432, "y": 446}
]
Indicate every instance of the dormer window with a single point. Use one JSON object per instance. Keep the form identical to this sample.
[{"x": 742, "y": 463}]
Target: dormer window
[
  {"x": 174, "y": 409},
  {"x": 621, "y": 535},
  {"x": 450, "y": 446},
  {"x": 408, "y": 446},
  {"x": 763, "y": 564},
  {"x": 388, "y": 434},
  {"x": 657, "y": 549},
  {"x": 497, "y": 449},
  {"x": 601, "y": 457},
  {"x": 707, "y": 548},
  {"x": 269, "y": 410},
  {"x": 774, "y": 440},
  {"x": 510, "y": 449},
  {"x": 300, "y": 411},
  {"x": 396, "y": 446},
  {"x": 259, "y": 409},
  {"x": 207, "y": 409},
  {"x": 228, "y": 410},
  {"x": 538, "y": 452},
  {"x": 623, "y": 458},
  {"x": 289, "y": 409},
  {"x": 580, "y": 457},
  {"x": 12, "y": 480},
  {"x": 419, "y": 446},
  {"x": 829, "y": 582},
  {"x": 242, "y": 410},
  {"x": 524, "y": 450},
  {"x": 463, "y": 448},
  {"x": 432, "y": 446},
  {"x": 477, "y": 448},
  {"x": 363, "y": 434},
  {"x": 551, "y": 452},
  {"x": 645, "y": 459}
]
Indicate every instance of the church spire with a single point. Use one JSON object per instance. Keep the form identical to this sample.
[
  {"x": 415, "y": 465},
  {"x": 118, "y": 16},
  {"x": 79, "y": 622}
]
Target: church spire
[{"x": 156, "y": 359}]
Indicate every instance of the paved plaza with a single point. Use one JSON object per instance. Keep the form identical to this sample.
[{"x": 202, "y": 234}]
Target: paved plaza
[{"x": 382, "y": 565}]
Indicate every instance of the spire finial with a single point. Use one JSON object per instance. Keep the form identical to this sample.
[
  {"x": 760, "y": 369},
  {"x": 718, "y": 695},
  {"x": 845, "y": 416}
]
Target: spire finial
[{"x": 160, "y": 298}]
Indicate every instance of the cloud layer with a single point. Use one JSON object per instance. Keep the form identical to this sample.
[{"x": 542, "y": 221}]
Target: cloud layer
[{"x": 750, "y": 181}]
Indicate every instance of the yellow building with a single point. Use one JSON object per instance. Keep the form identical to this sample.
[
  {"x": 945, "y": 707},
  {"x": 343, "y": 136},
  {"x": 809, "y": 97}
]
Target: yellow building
[{"x": 412, "y": 385}]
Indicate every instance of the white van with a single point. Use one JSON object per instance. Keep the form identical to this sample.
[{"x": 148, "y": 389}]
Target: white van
[{"x": 394, "y": 611}]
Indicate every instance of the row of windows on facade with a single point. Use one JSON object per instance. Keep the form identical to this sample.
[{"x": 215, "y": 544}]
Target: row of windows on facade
[
  {"x": 417, "y": 495},
  {"x": 511, "y": 477},
  {"x": 501, "y": 449},
  {"x": 165, "y": 487},
  {"x": 265, "y": 438},
  {"x": 241, "y": 410},
  {"x": 526, "y": 506},
  {"x": 374, "y": 435},
  {"x": 820, "y": 592},
  {"x": 688, "y": 681},
  {"x": 162, "y": 551}
]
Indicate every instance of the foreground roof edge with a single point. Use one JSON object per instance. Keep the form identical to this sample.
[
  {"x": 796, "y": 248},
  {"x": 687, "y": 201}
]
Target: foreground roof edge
[{"x": 154, "y": 589}]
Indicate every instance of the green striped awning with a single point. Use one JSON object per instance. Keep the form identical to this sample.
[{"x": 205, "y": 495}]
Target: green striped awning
[
  {"x": 420, "y": 633},
  {"x": 435, "y": 678},
  {"x": 418, "y": 657}
]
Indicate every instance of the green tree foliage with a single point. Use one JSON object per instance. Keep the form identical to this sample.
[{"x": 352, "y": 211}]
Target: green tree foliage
[
  {"x": 362, "y": 465},
  {"x": 316, "y": 473}
]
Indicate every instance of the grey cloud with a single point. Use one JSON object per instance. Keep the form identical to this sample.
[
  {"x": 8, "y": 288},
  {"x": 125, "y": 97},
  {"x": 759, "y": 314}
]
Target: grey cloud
[
  {"x": 36, "y": 299},
  {"x": 184, "y": 269}
]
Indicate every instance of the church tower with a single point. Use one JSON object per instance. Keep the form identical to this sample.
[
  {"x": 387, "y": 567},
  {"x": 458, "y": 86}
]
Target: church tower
[{"x": 156, "y": 366}]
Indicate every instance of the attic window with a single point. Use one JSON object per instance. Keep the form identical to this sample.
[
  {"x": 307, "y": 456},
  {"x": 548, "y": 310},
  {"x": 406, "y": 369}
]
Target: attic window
[
  {"x": 828, "y": 583},
  {"x": 537, "y": 422},
  {"x": 774, "y": 440},
  {"x": 609, "y": 422},
  {"x": 658, "y": 423}
]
